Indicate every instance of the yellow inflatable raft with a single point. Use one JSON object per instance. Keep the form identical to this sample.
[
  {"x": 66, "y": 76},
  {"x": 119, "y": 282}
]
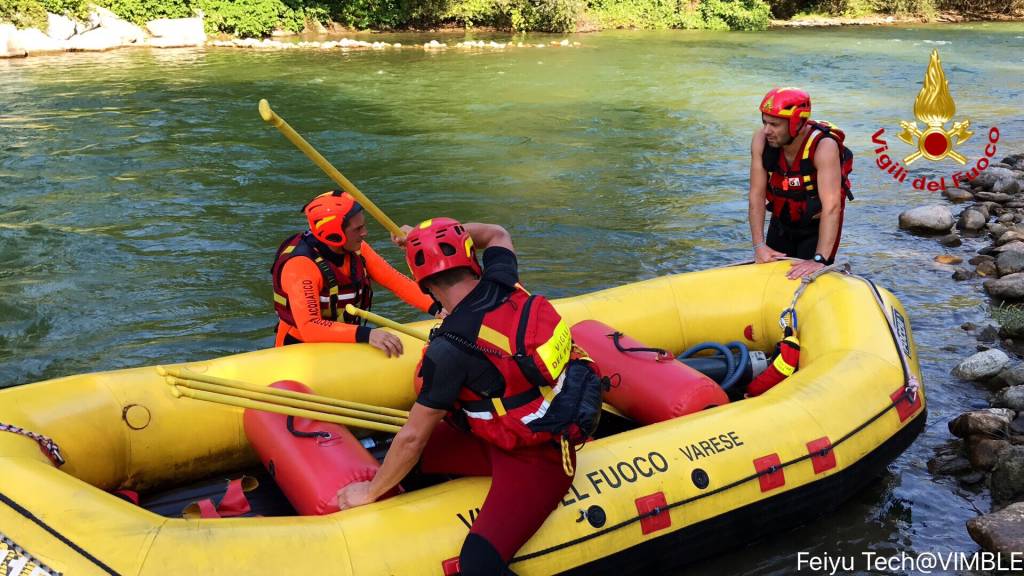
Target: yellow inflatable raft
[{"x": 646, "y": 498}]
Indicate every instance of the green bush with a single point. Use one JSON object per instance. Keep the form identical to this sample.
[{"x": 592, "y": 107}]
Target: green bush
[
  {"x": 141, "y": 11},
  {"x": 76, "y": 9},
  {"x": 735, "y": 14},
  {"x": 23, "y": 13},
  {"x": 654, "y": 14}
]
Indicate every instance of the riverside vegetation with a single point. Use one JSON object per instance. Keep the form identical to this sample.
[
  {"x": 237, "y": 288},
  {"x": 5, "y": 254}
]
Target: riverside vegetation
[{"x": 259, "y": 18}]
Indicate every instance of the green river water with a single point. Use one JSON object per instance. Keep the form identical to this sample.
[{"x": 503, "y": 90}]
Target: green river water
[{"x": 141, "y": 198}]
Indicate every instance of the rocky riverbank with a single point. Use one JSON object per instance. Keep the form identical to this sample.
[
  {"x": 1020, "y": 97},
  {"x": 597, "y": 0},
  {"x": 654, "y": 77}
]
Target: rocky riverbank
[
  {"x": 104, "y": 31},
  {"x": 989, "y": 446}
]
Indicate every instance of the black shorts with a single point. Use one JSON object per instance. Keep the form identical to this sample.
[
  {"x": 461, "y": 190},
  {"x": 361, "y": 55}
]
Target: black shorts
[{"x": 796, "y": 242}]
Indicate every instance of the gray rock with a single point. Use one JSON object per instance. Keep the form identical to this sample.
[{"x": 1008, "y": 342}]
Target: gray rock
[
  {"x": 989, "y": 176},
  {"x": 993, "y": 196},
  {"x": 961, "y": 274},
  {"x": 948, "y": 465},
  {"x": 983, "y": 452},
  {"x": 97, "y": 40},
  {"x": 986, "y": 268},
  {"x": 1016, "y": 246},
  {"x": 971, "y": 478},
  {"x": 7, "y": 32},
  {"x": 968, "y": 326},
  {"x": 59, "y": 27},
  {"x": 1015, "y": 204},
  {"x": 1009, "y": 287},
  {"x": 1012, "y": 398},
  {"x": 971, "y": 220},
  {"x": 1010, "y": 262},
  {"x": 1007, "y": 480},
  {"x": 981, "y": 258},
  {"x": 988, "y": 335},
  {"x": 990, "y": 422},
  {"x": 1001, "y": 532},
  {"x": 1017, "y": 426},
  {"x": 927, "y": 219},
  {"x": 176, "y": 32},
  {"x": 996, "y": 230},
  {"x": 950, "y": 241},
  {"x": 1014, "y": 161},
  {"x": 1009, "y": 236},
  {"x": 1010, "y": 376},
  {"x": 1006, "y": 186},
  {"x": 33, "y": 41},
  {"x": 957, "y": 195},
  {"x": 1006, "y": 218}
]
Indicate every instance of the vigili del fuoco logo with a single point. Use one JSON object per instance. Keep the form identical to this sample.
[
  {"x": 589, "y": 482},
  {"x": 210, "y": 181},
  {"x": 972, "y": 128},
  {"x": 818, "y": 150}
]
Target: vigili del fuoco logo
[{"x": 934, "y": 107}]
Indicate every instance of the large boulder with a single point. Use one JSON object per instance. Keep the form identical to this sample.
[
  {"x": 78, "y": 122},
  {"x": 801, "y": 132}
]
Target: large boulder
[
  {"x": 1010, "y": 262},
  {"x": 176, "y": 32},
  {"x": 1002, "y": 531},
  {"x": 127, "y": 32},
  {"x": 983, "y": 453},
  {"x": 59, "y": 27},
  {"x": 997, "y": 197},
  {"x": 1015, "y": 161},
  {"x": 971, "y": 220},
  {"x": 1010, "y": 376},
  {"x": 34, "y": 41},
  {"x": 7, "y": 32},
  {"x": 934, "y": 219},
  {"x": 958, "y": 194},
  {"x": 1006, "y": 185},
  {"x": 1009, "y": 287},
  {"x": 989, "y": 176},
  {"x": 991, "y": 422},
  {"x": 96, "y": 40},
  {"x": 1011, "y": 397},
  {"x": 982, "y": 365},
  {"x": 1007, "y": 482}
]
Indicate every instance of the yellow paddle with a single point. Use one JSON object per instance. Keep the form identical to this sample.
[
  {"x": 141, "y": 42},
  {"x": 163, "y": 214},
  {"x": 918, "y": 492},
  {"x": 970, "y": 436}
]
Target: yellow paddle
[
  {"x": 271, "y": 117},
  {"x": 387, "y": 323}
]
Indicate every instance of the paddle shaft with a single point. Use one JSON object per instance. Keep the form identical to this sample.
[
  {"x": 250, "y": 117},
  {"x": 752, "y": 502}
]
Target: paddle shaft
[
  {"x": 186, "y": 374},
  {"x": 387, "y": 323},
  {"x": 271, "y": 117},
  {"x": 287, "y": 411},
  {"x": 312, "y": 406}
]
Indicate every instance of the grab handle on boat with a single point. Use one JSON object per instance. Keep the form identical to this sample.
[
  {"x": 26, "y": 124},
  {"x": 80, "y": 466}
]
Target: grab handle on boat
[{"x": 271, "y": 117}]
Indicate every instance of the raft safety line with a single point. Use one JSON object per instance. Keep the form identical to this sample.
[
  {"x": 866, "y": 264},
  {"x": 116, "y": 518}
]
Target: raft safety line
[
  {"x": 909, "y": 394},
  {"x": 53, "y": 532}
]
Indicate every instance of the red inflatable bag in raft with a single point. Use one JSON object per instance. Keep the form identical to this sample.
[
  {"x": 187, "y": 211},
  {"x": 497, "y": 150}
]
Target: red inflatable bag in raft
[
  {"x": 646, "y": 386},
  {"x": 311, "y": 462}
]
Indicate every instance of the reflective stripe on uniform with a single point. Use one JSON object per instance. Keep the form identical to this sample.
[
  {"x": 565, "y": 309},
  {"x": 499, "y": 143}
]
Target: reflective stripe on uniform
[{"x": 549, "y": 396}]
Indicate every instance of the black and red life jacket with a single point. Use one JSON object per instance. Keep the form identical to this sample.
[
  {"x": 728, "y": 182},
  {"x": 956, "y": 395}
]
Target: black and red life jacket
[
  {"x": 793, "y": 190},
  {"x": 344, "y": 283},
  {"x": 547, "y": 393}
]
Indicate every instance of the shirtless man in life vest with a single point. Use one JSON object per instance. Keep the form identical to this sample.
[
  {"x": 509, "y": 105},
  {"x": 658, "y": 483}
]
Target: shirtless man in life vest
[{"x": 799, "y": 168}]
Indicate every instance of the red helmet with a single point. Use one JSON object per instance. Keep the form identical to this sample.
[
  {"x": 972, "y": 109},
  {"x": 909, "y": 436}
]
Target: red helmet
[
  {"x": 328, "y": 214},
  {"x": 791, "y": 103},
  {"x": 437, "y": 245}
]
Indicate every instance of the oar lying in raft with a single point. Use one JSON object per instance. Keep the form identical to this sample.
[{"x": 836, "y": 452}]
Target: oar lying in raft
[{"x": 190, "y": 384}]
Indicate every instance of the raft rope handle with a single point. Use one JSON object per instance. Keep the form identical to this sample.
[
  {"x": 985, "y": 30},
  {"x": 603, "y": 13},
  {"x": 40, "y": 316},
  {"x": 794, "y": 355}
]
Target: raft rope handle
[
  {"x": 910, "y": 390},
  {"x": 616, "y": 336},
  {"x": 843, "y": 267},
  {"x": 48, "y": 446}
]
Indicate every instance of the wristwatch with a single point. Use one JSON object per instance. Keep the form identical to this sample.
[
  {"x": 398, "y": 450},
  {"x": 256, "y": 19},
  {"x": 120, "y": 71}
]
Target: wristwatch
[{"x": 819, "y": 259}]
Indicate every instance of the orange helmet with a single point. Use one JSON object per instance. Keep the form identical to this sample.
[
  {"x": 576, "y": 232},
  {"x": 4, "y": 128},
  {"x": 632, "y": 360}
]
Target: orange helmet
[
  {"x": 791, "y": 103},
  {"x": 437, "y": 245},
  {"x": 328, "y": 214}
]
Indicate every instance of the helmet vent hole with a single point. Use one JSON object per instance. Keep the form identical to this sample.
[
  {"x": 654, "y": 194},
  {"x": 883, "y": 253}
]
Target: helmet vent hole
[
  {"x": 334, "y": 237},
  {"x": 419, "y": 259},
  {"x": 458, "y": 230},
  {"x": 447, "y": 249}
]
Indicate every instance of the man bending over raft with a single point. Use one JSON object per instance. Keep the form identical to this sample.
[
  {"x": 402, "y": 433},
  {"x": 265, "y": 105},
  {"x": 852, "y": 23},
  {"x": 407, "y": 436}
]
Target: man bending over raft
[
  {"x": 800, "y": 169},
  {"x": 503, "y": 368}
]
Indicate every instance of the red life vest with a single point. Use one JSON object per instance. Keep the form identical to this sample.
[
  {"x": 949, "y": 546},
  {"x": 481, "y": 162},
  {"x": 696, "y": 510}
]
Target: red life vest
[
  {"x": 347, "y": 283},
  {"x": 530, "y": 345},
  {"x": 793, "y": 190}
]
